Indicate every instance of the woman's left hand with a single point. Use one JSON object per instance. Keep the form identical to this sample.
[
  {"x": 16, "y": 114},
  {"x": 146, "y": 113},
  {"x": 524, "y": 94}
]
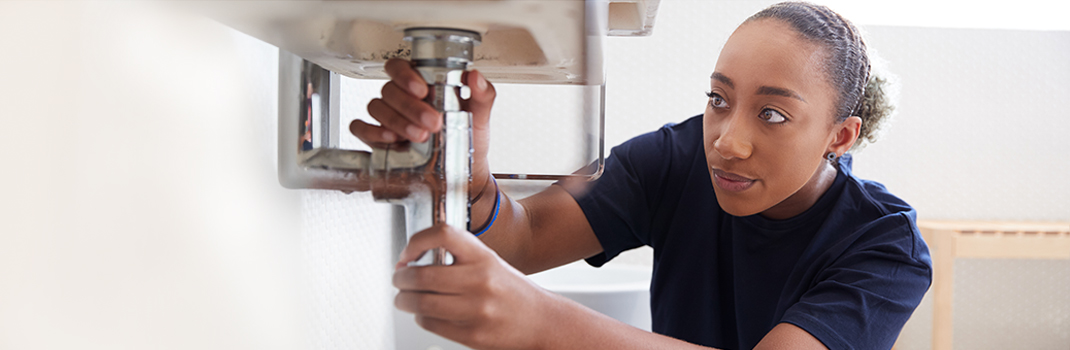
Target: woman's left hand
[{"x": 480, "y": 301}]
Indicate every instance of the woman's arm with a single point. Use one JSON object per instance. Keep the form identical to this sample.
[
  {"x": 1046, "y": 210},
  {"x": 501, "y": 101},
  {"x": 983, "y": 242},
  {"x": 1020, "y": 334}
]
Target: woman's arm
[
  {"x": 484, "y": 303},
  {"x": 540, "y": 232},
  {"x": 789, "y": 336}
]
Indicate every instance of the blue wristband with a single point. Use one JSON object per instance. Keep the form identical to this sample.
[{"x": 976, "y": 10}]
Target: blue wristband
[{"x": 497, "y": 205}]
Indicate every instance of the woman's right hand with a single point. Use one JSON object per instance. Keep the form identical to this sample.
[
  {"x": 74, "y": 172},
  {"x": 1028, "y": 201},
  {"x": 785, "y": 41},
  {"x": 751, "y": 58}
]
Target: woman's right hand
[
  {"x": 480, "y": 300},
  {"x": 404, "y": 116}
]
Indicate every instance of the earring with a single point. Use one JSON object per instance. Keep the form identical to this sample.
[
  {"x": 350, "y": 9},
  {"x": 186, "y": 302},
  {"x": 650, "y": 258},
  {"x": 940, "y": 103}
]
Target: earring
[{"x": 831, "y": 156}]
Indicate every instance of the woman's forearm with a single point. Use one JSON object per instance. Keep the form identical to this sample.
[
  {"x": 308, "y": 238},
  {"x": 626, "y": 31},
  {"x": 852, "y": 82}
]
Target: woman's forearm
[
  {"x": 569, "y": 325},
  {"x": 540, "y": 232}
]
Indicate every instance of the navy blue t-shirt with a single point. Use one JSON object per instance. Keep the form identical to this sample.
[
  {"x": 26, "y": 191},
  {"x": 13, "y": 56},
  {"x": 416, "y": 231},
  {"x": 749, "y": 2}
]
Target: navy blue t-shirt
[{"x": 850, "y": 270}]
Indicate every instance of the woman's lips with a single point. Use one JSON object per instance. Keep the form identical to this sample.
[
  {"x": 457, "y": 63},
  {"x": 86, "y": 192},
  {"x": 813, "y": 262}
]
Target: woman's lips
[{"x": 731, "y": 182}]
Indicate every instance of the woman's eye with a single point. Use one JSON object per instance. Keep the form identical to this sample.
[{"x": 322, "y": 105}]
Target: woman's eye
[
  {"x": 772, "y": 116},
  {"x": 716, "y": 100}
]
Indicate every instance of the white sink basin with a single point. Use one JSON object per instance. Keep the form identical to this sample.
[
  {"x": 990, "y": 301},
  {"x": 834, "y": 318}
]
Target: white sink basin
[{"x": 620, "y": 292}]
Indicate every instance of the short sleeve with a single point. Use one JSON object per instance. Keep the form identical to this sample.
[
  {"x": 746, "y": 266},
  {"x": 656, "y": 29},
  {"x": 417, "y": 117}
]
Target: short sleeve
[
  {"x": 863, "y": 299},
  {"x": 619, "y": 205}
]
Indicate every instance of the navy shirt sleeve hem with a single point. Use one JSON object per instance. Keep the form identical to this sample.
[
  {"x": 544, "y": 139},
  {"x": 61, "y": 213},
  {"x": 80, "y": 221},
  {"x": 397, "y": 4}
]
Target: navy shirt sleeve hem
[{"x": 825, "y": 334}]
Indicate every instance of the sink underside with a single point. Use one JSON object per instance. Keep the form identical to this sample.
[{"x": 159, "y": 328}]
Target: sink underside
[{"x": 524, "y": 41}]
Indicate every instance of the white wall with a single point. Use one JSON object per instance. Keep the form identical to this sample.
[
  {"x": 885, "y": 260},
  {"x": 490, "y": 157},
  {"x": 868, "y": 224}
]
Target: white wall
[
  {"x": 980, "y": 128},
  {"x": 140, "y": 208}
]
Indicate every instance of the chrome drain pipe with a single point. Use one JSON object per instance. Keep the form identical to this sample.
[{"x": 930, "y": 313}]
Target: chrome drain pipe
[{"x": 441, "y": 56}]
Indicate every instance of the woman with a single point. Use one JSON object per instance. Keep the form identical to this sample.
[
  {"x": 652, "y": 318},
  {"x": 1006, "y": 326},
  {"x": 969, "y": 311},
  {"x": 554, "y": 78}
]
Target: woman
[{"x": 762, "y": 237}]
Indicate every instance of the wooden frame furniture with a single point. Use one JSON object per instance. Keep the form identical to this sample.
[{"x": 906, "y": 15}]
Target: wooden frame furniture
[{"x": 948, "y": 240}]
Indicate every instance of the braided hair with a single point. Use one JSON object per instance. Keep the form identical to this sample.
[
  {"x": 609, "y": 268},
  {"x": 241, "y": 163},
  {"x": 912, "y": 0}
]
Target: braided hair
[{"x": 848, "y": 66}]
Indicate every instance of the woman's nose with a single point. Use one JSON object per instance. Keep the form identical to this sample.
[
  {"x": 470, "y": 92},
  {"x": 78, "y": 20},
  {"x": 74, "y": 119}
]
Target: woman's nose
[{"x": 734, "y": 139}]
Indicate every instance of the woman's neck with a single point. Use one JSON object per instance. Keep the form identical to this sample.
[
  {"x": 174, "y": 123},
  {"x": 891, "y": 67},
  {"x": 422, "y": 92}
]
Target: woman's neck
[{"x": 806, "y": 196}]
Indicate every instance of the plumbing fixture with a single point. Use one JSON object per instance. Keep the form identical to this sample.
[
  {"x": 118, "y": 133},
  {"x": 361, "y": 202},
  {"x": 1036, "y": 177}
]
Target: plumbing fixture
[
  {"x": 548, "y": 42},
  {"x": 529, "y": 41},
  {"x": 429, "y": 178},
  {"x": 444, "y": 162}
]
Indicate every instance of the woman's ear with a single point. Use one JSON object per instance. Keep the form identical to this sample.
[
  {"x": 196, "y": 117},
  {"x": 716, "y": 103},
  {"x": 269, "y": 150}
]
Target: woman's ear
[{"x": 845, "y": 134}]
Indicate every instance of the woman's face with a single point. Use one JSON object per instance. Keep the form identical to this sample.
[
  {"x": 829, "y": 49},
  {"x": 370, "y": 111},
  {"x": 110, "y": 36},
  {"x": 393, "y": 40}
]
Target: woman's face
[{"x": 768, "y": 123}]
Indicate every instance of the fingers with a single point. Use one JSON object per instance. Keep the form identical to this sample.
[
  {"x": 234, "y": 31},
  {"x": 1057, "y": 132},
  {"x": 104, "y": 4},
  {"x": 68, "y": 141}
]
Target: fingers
[
  {"x": 465, "y": 247},
  {"x": 482, "y": 98},
  {"x": 479, "y": 103},
  {"x": 412, "y": 108},
  {"x": 395, "y": 122},
  {"x": 374, "y": 135},
  {"x": 441, "y": 306},
  {"x": 401, "y": 72},
  {"x": 401, "y": 109},
  {"x": 440, "y": 279},
  {"x": 398, "y": 123}
]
